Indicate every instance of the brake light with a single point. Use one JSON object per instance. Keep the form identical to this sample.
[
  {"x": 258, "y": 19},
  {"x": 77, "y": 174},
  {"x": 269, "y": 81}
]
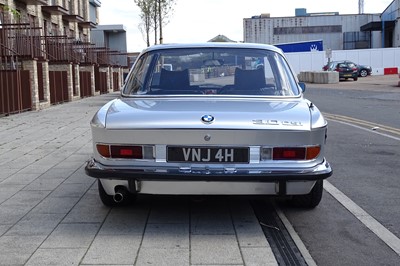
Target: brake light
[
  {"x": 296, "y": 153},
  {"x": 125, "y": 151},
  {"x": 289, "y": 153}
]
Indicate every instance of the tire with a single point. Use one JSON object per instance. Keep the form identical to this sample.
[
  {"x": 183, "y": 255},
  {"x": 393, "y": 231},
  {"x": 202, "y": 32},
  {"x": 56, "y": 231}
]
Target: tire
[
  {"x": 363, "y": 73},
  {"x": 108, "y": 200},
  {"x": 310, "y": 200}
]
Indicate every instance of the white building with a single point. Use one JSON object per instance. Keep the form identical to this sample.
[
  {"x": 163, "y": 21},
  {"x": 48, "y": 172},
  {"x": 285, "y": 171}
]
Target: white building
[{"x": 338, "y": 32}]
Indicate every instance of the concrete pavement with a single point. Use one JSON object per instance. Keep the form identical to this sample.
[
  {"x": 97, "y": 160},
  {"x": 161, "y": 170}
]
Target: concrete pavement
[{"x": 50, "y": 212}]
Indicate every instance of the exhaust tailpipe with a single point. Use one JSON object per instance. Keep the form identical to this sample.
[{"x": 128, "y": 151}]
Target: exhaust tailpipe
[{"x": 120, "y": 194}]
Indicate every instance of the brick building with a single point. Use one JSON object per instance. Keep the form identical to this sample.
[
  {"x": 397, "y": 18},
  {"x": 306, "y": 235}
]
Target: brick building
[{"x": 47, "y": 55}]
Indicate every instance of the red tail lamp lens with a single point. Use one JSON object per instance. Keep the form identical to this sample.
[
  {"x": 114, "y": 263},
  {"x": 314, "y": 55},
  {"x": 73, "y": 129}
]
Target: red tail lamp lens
[
  {"x": 129, "y": 152},
  {"x": 117, "y": 151},
  {"x": 296, "y": 153},
  {"x": 289, "y": 153}
]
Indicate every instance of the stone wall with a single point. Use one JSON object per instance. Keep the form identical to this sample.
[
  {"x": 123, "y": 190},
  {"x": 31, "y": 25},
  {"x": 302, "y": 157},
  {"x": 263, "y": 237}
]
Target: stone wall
[{"x": 319, "y": 77}]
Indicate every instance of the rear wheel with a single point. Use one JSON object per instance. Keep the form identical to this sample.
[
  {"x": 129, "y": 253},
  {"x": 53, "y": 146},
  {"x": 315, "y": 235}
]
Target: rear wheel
[
  {"x": 108, "y": 200},
  {"x": 363, "y": 73},
  {"x": 310, "y": 200}
]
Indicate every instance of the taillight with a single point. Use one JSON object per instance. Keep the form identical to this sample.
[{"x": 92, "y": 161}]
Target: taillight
[
  {"x": 125, "y": 151},
  {"x": 289, "y": 153},
  {"x": 103, "y": 150},
  {"x": 295, "y": 153},
  {"x": 312, "y": 152}
]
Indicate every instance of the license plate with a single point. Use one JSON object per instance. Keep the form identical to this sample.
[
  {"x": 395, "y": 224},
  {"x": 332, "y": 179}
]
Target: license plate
[
  {"x": 207, "y": 154},
  {"x": 347, "y": 75}
]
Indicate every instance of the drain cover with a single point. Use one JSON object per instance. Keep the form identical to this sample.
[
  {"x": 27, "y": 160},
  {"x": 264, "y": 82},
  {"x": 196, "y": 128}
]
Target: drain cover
[{"x": 282, "y": 245}]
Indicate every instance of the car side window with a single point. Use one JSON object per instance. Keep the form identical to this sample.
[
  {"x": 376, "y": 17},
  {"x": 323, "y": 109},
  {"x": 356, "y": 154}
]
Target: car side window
[{"x": 135, "y": 82}]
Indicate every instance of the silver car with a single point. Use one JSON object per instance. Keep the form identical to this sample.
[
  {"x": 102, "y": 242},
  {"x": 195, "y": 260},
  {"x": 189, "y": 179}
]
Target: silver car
[{"x": 221, "y": 119}]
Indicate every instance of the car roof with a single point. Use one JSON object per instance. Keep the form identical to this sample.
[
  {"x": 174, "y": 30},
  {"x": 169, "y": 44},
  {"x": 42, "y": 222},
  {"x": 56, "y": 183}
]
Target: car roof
[
  {"x": 342, "y": 61},
  {"x": 213, "y": 45}
]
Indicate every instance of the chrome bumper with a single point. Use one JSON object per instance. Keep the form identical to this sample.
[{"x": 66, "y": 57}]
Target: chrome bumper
[{"x": 98, "y": 170}]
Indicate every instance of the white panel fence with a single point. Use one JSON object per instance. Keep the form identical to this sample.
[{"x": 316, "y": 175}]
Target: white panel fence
[{"x": 378, "y": 59}]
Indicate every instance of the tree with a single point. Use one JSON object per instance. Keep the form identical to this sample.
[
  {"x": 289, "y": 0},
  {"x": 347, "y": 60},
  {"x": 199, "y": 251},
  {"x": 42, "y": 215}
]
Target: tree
[
  {"x": 165, "y": 10},
  {"x": 146, "y": 15},
  {"x": 154, "y": 15}
]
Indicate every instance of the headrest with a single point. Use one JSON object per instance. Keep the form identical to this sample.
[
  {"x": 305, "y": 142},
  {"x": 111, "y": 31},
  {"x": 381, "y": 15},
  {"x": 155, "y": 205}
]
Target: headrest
[
  {"x": 174, "y": 80},
  {"x": 249, "y": 79}
]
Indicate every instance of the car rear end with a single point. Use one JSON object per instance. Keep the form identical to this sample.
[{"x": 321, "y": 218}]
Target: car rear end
[
  {"x": 235, "y": 152},
  {"x": 228, "y": 119},
  {"x": 347, "y": 70}
]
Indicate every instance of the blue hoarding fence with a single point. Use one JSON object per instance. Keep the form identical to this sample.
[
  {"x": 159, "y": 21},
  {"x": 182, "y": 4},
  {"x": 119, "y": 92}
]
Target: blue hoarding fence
[{"x": 308, "y": 46}]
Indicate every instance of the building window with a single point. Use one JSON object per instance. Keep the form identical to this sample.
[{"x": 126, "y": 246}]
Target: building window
[{"x": 356, "y": 40}]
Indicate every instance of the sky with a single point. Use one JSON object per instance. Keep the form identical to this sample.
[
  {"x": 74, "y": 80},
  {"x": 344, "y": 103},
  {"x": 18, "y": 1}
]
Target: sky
[{"x": 202, "y": 20}]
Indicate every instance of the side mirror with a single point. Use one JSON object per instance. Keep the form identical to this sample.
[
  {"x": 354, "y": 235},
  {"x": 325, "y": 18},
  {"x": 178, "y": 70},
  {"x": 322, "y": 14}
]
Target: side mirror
[{"x": 302, "y": 86}]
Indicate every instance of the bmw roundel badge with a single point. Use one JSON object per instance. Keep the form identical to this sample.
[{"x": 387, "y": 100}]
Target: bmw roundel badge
[{"x": 208, "y": 119}]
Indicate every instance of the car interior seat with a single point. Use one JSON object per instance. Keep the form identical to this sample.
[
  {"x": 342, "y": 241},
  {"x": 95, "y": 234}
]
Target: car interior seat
[
  {"x": 174, "y": 80},
  {"x": 249, "y": 80}
]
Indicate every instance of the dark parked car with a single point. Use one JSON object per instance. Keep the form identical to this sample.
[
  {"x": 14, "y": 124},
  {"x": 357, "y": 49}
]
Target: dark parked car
[
  {"x": 346, "y": 69},
  {"x": 363, "y": 70}
]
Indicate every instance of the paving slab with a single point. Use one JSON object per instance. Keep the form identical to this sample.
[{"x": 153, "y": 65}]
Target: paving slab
[
  {"x": 59, "y": 257},
  {"x": 16, "y": 250},
  {"x": 163, "y": 257},
  {"x": 35, "y": 224},
  {"x": 125, "y": 221},
  {"x": 258, "y": 256},
  {"x": 215, "y": 249},
  {"x": 75, "y": 235},
  {"x": 211, "y": 217},
  {"x": 166, "y": 236},
  {"x": 113, "y": 249},
  {"x": 54, "y": 205},
  {"x": 89, "y": 209}
]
